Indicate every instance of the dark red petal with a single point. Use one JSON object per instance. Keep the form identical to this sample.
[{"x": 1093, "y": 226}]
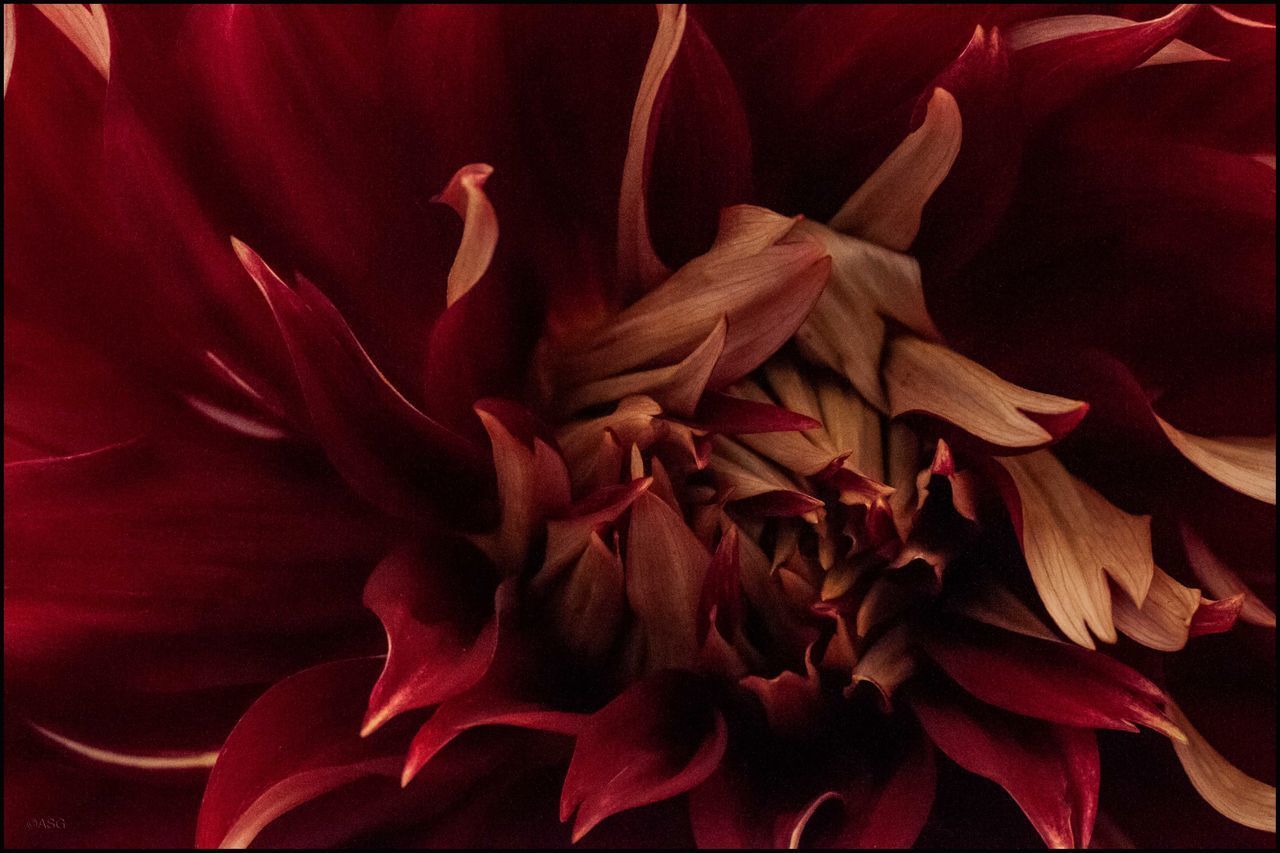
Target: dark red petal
[
  {"x": 1215, "y": 617},
  {"x": 297, "y": 742},
  {"x": 660, "y": 738},
  {"x": 1058, "y": 682},
  {"x": 441, "y": 632},
  {"x": 395, "y": 456},
  {"x": 722, "y": 413},
  {"x": 1050, "y": 770}
]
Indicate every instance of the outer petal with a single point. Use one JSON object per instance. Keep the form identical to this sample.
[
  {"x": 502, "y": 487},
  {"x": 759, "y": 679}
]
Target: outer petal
[
  {"x": 1247, "y": 465},
  {"x": 1050, "y": 770},
  {"x": 655, "y": 741},
  {"x": 1241, "y": 798}
]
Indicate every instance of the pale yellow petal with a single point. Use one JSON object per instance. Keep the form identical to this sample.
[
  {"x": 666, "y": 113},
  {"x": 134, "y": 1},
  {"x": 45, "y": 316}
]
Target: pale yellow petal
[
  {"x": 1163, "y": 620},
  {"x": 10, "y": 43},
  {"x": 465, "y": 194},
  {"x": 86, "y": 28}
]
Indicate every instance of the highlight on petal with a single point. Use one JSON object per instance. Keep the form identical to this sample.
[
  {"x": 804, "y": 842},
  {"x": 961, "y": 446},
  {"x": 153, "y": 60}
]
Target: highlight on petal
[
  {"x": 921, "y": 376},
  {"x": 167, "y": 761},
  {"x": 297, "y": 742},
  {"x": 84, "y": 25},
  {"x": 657, "y": 740},
  {"x": 1241, "y": 798},
  {"x": 1247, "y": 465},
  {"x": 1073, "y": 538},
  {"x": 440, "y": 639},
  {"x": 638, "y": 264},
  {"x": 465, "y": 194},
  {"x": 1051, "y": 771},
  {"x": 1040, "y": 30},
  {"x": 1222, "y": 581},
  {"x": 10, "y": 43},
  {"x": 886, "y": 209}
]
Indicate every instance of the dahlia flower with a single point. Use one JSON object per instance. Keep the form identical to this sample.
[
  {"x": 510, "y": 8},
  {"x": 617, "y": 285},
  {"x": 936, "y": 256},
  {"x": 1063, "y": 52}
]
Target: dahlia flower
[{"x": 731, "y": 426}]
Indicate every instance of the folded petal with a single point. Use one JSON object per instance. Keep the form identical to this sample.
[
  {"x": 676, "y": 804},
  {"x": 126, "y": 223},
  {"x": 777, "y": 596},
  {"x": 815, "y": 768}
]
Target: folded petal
[
  {"x": 441, "y": 633},
  {"x": 660, "y": 738},
  {"x": 1073, "y": 538},
  {"x": 1223, "y": 582},
  {"x": 1164, "y": 620}
]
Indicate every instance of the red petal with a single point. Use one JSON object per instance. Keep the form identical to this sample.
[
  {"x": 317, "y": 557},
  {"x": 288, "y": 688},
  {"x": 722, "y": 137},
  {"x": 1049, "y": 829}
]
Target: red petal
[
  {"x": 1058, "y": 682},
  {"x": 657, "y": 740},
  {"x": 297, "y": 742},
  {"x": 441, "y": 636},
  {"x": 722, "y": 413},
  {"x": 1051, "y": 771}
]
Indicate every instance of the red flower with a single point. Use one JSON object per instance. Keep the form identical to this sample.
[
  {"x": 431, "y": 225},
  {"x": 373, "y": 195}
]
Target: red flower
[{"x": 777, "y": 422}]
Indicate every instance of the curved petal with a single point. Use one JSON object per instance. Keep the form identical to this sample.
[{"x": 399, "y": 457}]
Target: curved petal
[
  {"x": 1241, "y": 798},
  {"x": 1247, "y": 465},
  {"x": 657, "y": 740}
]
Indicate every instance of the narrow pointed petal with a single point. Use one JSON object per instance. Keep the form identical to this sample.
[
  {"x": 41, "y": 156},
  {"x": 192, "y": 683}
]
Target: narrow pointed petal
[
  {"x": 1051, "y": 771},
  {"x": 590, "y": 604},
  {"x": 638, "y": 264},
  {"x": 85, "y": 25},
  {"x": 886, "y": 208},
  {"x": 567, "y": 536},
  {"x": 1040, "y": 30},
  {"x": 408, "y": 456},
  {"x": 440, "y": 639},
  {"x": 929, "y": 378},
  {"x": 1073, "y": 538},
  {"x": 1247, "y": 465},
  {"x": 271, "y": 764},
  {"x": 730, "y": 415},
  {"x": 10, "y": 44},
  {"x": 660, "y": 738},
  {"x": 1241, "y": 798},
  {"x": 1057, "y": 682},
  {"x": 465, "y": 194}
]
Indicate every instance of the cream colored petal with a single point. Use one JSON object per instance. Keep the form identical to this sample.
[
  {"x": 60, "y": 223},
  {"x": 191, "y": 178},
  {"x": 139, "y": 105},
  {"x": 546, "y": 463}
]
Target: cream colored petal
[
  {"x": 1073, "y": 538},
  {"x": 465, "y": 194},
  {"x": 86, "y": 28},
  {"x": 886, "y": 209},
  {"x": 1247, "y": 465},
  {"x": 854, "y": 426},
  {"x": 631, "y": 422},
  {"x": 1163, "y": 620},
  {"x": 637, "y": 261},
  {"x": 1241, "y": 798},
  {"x": 10, "y": 43},
  {"x": 165, "y": 761},
  {"x": 1222, "y": 582},
  {"x": 926, "y": 377},
  {"x": 1024, "y": 35}
]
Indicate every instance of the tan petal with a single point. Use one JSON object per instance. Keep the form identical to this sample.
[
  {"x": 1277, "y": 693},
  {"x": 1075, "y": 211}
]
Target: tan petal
[
  {"x": 926, "y": 377},
  {"x": 10, "y": 43},
  {"x": 1247, "y": 465},
  {"x": 1241, "y": 798},
  {"x": 854, "y": 426},
  {"x": 637, "y": 261},
  {"x": 1073, "y": 538},
  {"x": 665, "y": 567},
  {"x": 886, "y": 209},
  {"x": 846, "y": 329},
  {"x": 86, "y": 28},
  {"x": 1164, "y": 619},
  {"x": 885, "y": 664},
  {"x": 1042, "y": 30},
  {"x": 764, "y": 287},
  {"x": 465, "y": 194},
  {"x": 1222, "y": 582}
]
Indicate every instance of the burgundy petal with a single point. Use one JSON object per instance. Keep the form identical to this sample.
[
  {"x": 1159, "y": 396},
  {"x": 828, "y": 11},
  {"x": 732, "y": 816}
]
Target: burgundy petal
[{"x": 659, "y": 739}]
